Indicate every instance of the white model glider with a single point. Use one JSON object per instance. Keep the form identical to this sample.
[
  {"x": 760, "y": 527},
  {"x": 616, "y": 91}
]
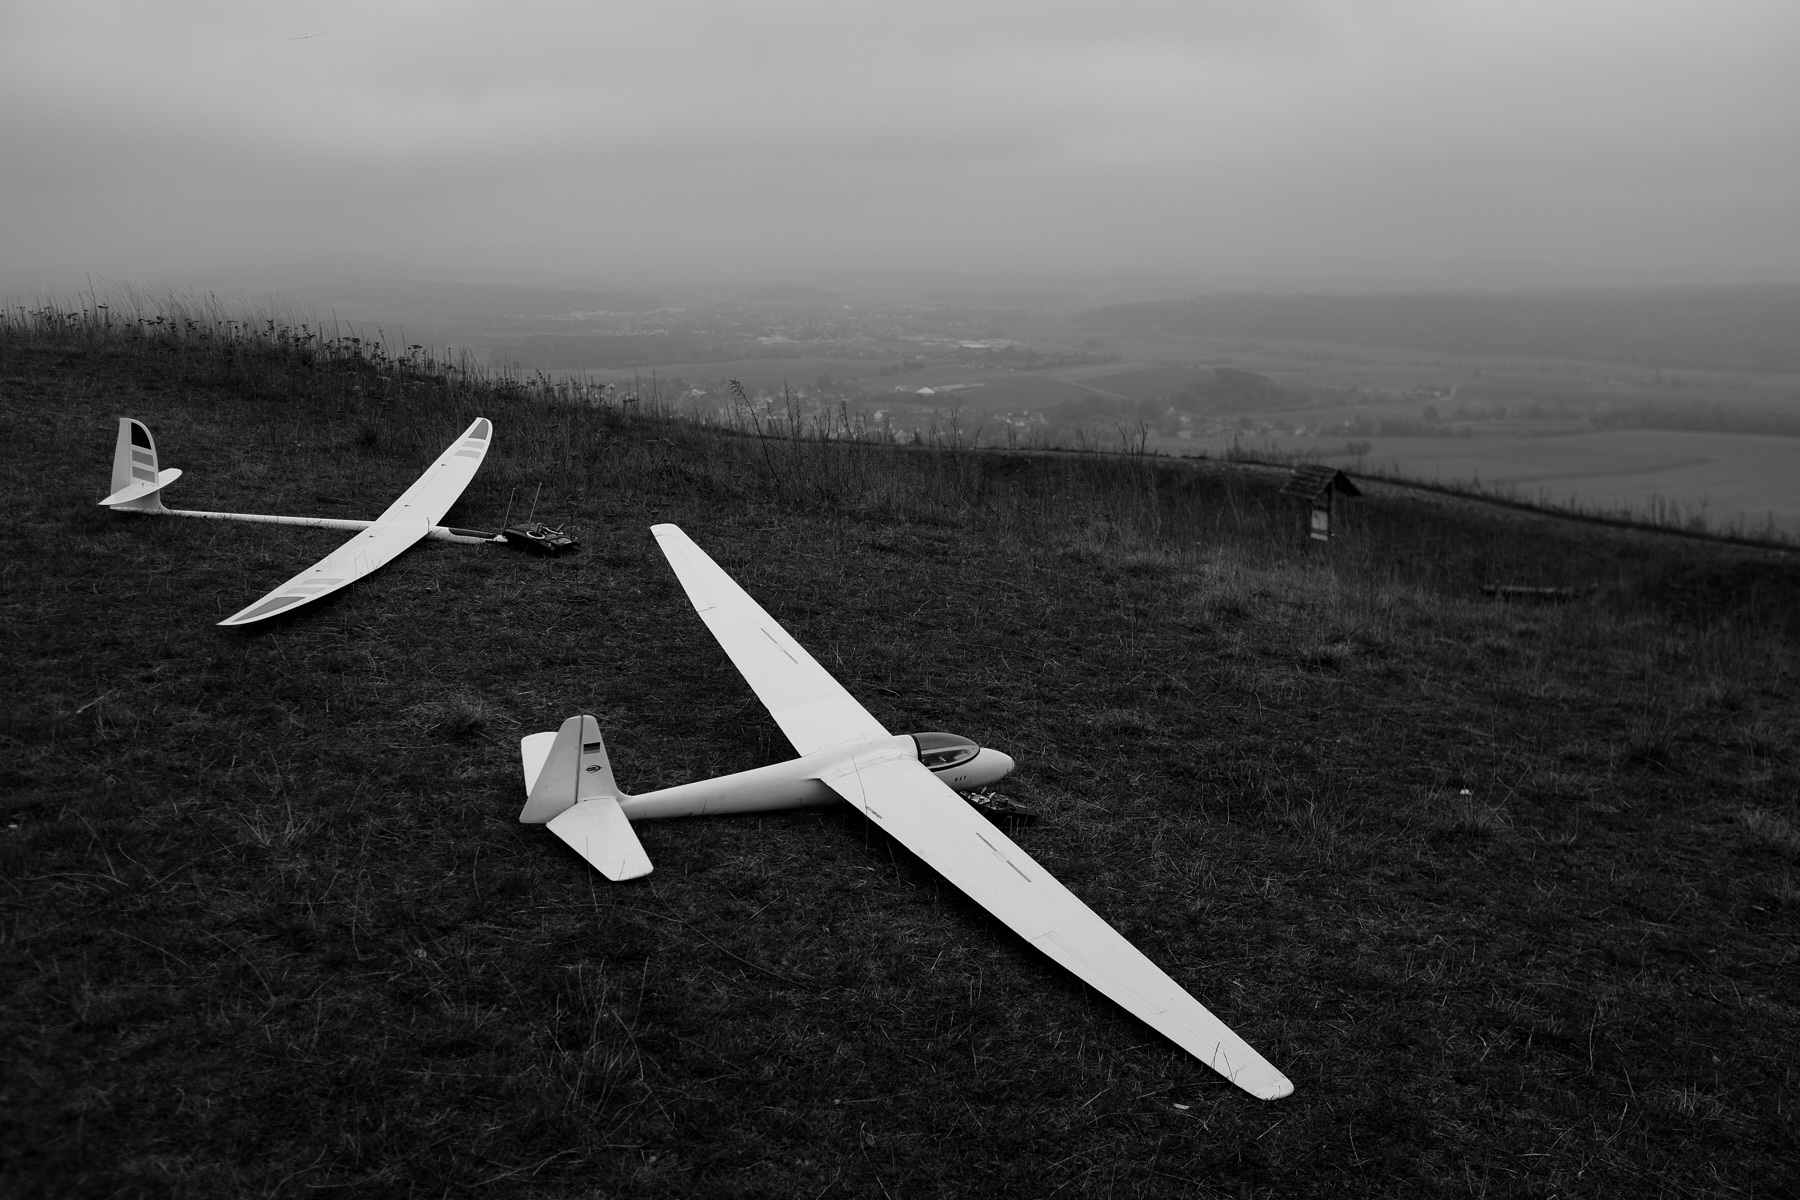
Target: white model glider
[
  {"x": 904, "y": 784},
  {"x": 137, "y": 487}
]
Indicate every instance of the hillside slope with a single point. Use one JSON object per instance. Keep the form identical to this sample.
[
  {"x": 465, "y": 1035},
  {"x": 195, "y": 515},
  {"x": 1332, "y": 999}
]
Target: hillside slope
[{"x": 1509, "y": 892}]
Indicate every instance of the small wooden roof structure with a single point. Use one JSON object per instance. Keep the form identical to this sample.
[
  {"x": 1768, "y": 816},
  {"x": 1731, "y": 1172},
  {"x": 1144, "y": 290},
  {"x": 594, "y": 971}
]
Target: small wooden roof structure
[{"x": 1315, "y": 482}]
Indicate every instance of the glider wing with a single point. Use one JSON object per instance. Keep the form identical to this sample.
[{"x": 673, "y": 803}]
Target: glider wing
[
  {"x": 910, "y": 803},
  {"x": 369, "y": 550},
  {"x": 426, "y": 501},
  {"x": 811, "y": 707},
  {"x": 407, "y": 520}
]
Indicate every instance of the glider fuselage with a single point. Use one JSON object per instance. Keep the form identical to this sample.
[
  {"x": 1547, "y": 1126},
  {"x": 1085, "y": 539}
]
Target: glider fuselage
[
  {"x": 799, "y": 783},
  {"x": 442, "y": 533}
]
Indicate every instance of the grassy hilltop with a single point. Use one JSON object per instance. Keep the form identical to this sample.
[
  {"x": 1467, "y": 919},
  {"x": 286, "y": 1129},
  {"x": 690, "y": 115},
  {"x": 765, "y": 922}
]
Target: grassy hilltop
[{"x": 1512, "y": 893}]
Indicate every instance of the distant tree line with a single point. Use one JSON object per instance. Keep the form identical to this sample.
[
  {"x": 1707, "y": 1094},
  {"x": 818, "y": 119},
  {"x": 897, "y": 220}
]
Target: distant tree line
[{"x": 1230, "y": 390}]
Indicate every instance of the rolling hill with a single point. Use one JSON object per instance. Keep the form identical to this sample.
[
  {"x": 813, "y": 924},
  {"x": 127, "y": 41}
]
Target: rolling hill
[{"x": 1509, "y": 889}]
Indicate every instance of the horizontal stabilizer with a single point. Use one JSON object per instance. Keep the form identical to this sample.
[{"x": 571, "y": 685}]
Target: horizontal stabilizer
[
  {"x": 599, "y": 831},
  {"x": 143, "y": 495}
]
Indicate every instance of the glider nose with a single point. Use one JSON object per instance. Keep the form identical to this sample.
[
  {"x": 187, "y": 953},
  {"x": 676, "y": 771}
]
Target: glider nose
[{"x": 991, "y": 765}]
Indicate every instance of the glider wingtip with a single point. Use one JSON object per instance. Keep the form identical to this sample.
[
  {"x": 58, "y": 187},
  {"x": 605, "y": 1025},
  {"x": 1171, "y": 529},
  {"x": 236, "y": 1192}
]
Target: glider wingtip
[
  {"x": 260, "y": 611},
  {"x": 1264, "y": 1084},
  {"x": 1249, "y": 1071},
  {"x": 1276, "y": 1090}
]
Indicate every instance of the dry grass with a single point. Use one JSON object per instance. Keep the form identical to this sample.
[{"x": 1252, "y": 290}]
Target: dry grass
[
  {"x": 268, "y": 925},
  {"x": 1771, "y": 828}
]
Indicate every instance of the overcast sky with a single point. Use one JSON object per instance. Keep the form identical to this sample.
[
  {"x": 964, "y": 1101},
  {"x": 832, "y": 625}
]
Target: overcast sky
[{"x": 1284, "y": 142}]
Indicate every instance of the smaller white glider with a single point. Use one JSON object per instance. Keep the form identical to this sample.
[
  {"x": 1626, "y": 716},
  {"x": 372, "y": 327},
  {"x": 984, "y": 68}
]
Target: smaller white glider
[
  {"x": 137, "y": 487},
  {"x": 905, "y": 784}
]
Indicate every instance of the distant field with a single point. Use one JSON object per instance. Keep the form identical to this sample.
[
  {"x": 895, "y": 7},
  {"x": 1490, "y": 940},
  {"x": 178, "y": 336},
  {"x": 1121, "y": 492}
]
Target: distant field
[
  {"x": 1734, "y": 328},
  {"x": 1020, "y": 389},
  {"x": 1143, "y": 383},
  {"x": 1302, "y": 363},
  {"x": 1730, "y": 479},
  {"x": 752, "y": 372},
  {"x": 1574, "y": 392},
  {"x": 999, "y": 390}
]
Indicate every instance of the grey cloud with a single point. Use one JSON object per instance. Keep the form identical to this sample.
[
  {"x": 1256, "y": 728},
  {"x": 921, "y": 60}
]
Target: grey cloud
[{"x": 1602, "y": 141}]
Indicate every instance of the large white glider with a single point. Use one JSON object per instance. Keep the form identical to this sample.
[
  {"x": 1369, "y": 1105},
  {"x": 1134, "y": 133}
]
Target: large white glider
[
  {"x": 904, "y": 784},
  {"x": 137, "y": 487}
]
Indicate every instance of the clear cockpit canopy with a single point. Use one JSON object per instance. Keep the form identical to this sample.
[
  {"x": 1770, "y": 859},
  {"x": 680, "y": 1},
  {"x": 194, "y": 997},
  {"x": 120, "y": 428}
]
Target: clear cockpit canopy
[{"x": 940, "y": 750}]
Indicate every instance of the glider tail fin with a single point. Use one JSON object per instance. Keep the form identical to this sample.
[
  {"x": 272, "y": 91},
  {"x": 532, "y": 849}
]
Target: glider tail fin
[
  {"x": 569, "y": 785},
  {"x": 563, "y": 768},
  {"x": 136, "y": 483}
]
